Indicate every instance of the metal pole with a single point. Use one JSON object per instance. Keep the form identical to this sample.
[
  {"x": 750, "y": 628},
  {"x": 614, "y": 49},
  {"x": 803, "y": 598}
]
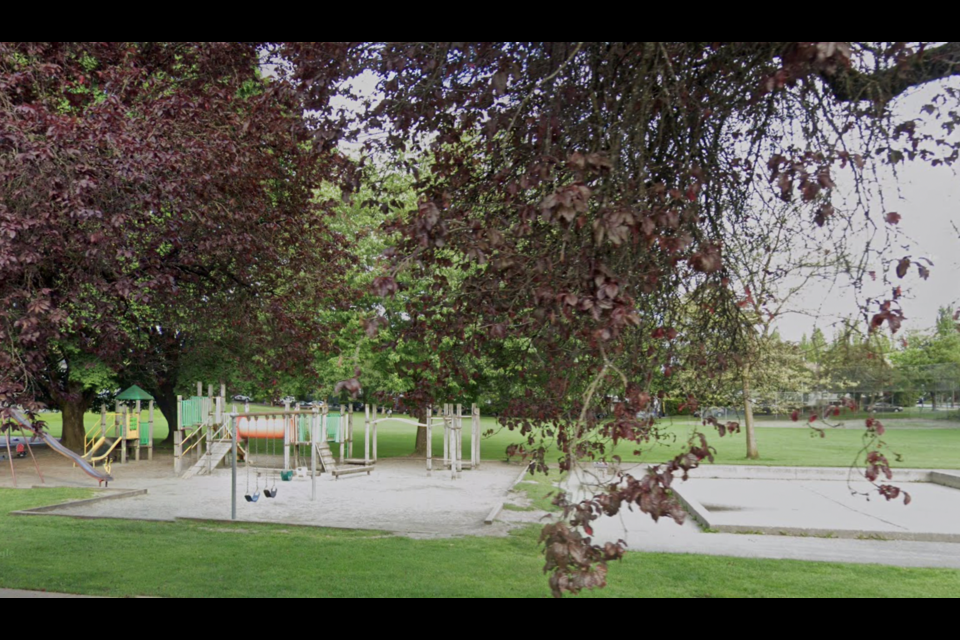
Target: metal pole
[
  {"x": 26, "y": 440},
  {"x": 13, "y": 471},
  {"x": 233, "y": 470}
]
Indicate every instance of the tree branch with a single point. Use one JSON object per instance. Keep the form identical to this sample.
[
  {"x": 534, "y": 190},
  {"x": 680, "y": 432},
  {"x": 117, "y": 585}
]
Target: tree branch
[{"x": 882, "y": 86}]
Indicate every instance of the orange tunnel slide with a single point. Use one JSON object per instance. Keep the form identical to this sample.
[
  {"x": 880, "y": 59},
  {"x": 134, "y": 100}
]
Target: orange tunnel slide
[{"x": 264, "y": 428}]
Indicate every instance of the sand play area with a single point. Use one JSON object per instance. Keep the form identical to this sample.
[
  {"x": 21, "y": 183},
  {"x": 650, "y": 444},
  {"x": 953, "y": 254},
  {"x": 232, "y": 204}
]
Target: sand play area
[{"x": 398, "y": 496}]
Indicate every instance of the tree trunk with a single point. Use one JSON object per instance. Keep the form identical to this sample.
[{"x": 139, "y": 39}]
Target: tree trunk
[
  {"x": 420, "y": 451},
  {"x": 167, "y": 404},
  {"x": 752, "y": 452},
  {"x": 74, "y": 430}
]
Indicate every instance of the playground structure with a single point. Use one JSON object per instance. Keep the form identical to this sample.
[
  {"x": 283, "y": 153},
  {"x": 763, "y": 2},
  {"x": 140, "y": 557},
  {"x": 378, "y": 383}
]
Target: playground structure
[
  {"x": 123, "y": 431},
  {"x": 451, "y": 421},
  {"x": 29, "y": 433},
  {"x": 206, "y": 431}
]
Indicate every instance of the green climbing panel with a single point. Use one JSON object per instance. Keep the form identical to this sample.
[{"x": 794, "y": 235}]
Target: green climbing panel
[
  {"x": 333, "y": 427},
  {"x": 191, "y": 412}
]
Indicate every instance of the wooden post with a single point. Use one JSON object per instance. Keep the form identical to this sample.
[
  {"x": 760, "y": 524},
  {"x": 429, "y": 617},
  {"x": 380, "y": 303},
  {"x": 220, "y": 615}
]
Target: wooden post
[
  {"x": 199, "y": 389},
  {"x": 315, "y": 424},
  {"x": 150, "y": 433},
  {"x": 350, "y": 430},
  {"x": 366, "y": 435},
  {"x": 475, "y": 433},
  {"x": 459, "y": 439},
  {"x": 209, "y": 438},
  {"x": 429, "y": 429},
  {"x": 342, "y": 433},
  {"x": 450, "y": 423},
  {"x": 103, "y": 422},
  {"x": 446, "y": 435},
  {"x": 139, "y": 428},
  {"x": 177, "y": 452},
  {"x": 124, "y": 431},
  {"x": 382, "y": 413},
  {"x": 288, "y": 422}
]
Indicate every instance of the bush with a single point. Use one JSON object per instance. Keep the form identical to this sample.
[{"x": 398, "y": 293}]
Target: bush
[{"x": 671, "y": 407}]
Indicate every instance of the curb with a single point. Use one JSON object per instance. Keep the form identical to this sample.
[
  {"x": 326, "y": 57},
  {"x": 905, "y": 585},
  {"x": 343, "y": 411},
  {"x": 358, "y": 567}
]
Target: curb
[
  {"x": 49, "y": 510},
  {"x": 492, "y": 516}
]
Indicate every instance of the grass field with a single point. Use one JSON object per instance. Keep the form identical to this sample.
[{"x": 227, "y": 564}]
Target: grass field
[
  {"x": 789, "y": 447},
  {"x": 120, "y": 558}
]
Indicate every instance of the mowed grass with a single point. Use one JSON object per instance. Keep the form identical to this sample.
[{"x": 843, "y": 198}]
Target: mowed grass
[
  {"x": 54, "y": 422},
  {"x": 802, "y": 447},
  {"x": 788, "y": 447},
  {"x": 120, "y": 558}
]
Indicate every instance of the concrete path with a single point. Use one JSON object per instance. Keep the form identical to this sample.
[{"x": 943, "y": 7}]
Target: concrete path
[{"x": 801, "y": 505}]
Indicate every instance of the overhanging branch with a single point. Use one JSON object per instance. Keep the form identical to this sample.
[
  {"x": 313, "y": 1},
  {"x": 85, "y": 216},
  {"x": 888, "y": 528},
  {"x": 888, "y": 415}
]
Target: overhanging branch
[{"x": 881, "y": 87}]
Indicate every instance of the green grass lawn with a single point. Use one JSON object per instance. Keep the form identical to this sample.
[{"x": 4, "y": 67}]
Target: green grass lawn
[
  {"x": 118, "y": 558},
  {"x": 789, "y": 447},
  {"x": 801, "y": 447}
]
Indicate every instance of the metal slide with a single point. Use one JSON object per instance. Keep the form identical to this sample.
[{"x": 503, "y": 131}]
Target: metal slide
[{"x": 62, "y": 450}]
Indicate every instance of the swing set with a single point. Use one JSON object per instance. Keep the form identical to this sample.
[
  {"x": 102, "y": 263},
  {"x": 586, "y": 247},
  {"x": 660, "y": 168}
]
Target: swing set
[{"x": 253, "y": 451}]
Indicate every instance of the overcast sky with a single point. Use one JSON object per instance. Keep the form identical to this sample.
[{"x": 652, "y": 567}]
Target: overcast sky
[{"x": 928, "y": 198}]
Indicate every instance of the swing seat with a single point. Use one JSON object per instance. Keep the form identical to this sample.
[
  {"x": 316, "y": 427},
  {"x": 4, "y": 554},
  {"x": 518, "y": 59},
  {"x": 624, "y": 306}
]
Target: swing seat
[
  {"x": 286, "y": 476},
  {"x": 254, "y": 498},
  {"x": 271, "y": 493}
]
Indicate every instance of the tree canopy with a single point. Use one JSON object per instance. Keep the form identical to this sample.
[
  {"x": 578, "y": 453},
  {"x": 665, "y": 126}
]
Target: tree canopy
[
  {"x": 588, "y": 191},
  {"x": 154, "y": 197},
  {"x": 575, "y": 211}
]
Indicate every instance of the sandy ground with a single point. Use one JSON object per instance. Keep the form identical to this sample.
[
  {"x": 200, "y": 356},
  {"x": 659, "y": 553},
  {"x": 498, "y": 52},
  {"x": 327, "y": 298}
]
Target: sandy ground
[{"x": 398, "y": 496}]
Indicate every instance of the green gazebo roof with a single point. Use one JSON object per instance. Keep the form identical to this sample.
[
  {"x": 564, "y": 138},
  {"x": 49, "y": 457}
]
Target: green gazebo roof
[{"x": 135, "y": 393}]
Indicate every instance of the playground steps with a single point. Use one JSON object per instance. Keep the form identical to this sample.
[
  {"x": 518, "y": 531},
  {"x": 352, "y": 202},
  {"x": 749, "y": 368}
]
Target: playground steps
[
  {"x": 218, "y": 451},
  {"x": 330, "y": 464}
]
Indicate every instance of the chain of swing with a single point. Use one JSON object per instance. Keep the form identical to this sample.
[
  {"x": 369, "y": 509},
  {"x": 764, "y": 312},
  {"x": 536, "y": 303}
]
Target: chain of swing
[{"x": 267, "y": 490}]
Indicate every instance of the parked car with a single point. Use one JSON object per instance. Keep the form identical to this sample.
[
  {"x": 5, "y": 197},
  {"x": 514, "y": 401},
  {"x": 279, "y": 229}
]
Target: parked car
[
  {"x": 884, "y": 407},
  {"x": 714, "y": 412},
  {"x": 242, "y": 399}
]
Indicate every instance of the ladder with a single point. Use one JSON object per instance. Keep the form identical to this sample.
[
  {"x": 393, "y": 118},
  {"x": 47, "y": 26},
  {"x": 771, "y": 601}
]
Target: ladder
[
  {"x": 211, "y": 459},
  {"x": 329, "y": 464}
]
